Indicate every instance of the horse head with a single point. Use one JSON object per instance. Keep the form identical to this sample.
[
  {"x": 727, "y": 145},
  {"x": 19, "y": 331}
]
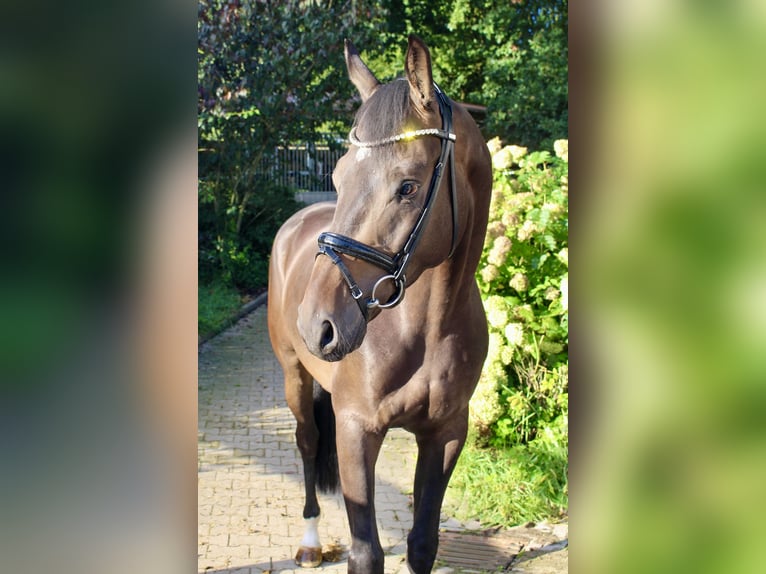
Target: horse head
[{"x": 397, "y": 210}]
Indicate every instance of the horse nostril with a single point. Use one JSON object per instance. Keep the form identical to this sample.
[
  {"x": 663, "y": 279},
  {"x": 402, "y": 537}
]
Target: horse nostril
[{"x": 327, "y": 337}]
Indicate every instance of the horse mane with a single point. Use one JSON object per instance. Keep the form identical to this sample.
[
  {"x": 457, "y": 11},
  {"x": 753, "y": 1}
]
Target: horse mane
[{"x": 385, "y": 112}]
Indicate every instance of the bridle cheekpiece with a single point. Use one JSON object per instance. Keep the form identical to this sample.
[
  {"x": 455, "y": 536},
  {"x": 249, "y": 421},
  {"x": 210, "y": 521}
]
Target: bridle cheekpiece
[{"x": 334, "y": 244}]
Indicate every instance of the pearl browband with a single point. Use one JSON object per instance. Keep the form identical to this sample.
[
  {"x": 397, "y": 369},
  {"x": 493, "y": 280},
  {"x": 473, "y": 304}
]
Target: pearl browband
[{"x": 399, "y": 137}]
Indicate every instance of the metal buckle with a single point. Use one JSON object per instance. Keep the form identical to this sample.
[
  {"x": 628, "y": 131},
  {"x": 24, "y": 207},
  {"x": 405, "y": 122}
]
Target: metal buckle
[{"x": 356, "y": 292}]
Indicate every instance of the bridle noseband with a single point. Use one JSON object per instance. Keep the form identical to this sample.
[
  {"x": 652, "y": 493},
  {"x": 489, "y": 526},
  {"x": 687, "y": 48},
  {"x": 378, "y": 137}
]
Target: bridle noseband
[{"x": 334, "y": 244}]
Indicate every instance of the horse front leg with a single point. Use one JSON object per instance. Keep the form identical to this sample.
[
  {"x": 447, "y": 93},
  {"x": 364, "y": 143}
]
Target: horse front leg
[
  {"x": 313, "y": 413},
  {"x": 438, "y": 451},
  {"x": 357, "y": 453}
]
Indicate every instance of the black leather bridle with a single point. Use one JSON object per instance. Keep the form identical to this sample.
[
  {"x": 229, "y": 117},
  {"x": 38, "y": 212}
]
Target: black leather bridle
[{"x": 334, "y": 244}]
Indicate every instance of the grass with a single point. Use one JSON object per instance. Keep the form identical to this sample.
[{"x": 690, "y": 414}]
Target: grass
[
  {"x": 510, "y": 486},
  {"x": 217, "y": 304}
]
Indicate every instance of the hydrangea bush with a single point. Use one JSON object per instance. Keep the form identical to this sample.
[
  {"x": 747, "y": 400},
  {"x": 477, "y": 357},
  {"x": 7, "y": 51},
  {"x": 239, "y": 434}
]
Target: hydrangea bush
[{"x": 523, "y": 277}]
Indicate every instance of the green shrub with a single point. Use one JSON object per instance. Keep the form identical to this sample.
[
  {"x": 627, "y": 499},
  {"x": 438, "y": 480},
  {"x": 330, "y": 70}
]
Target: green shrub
[
  {"x": 235, "y": 237},
  {"x": 523, "y": 277}
]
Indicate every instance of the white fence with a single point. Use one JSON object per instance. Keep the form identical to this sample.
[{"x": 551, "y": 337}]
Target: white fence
[{"x": 307, "y": 168}]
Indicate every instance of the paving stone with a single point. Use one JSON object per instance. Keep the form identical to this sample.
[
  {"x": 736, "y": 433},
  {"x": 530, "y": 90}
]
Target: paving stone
[{"x": 250, "y": 479}]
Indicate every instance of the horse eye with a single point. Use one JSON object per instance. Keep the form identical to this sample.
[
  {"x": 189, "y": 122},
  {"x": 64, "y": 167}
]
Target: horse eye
[{"x": 408, "y": 188}]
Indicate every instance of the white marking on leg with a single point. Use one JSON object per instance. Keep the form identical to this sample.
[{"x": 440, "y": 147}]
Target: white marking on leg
[{"x": 311, "y": 534}]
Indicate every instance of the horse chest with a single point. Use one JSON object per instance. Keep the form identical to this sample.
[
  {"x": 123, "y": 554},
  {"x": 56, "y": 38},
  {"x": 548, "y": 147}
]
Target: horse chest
[{"x": 406, "y": 389}]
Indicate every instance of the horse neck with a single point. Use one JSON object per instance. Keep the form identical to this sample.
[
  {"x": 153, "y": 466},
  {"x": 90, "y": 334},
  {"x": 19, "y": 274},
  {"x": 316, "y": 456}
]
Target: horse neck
[
  {"x": 448, "y": 285},
  {"x": 473, "y": 156},
  {"x": 440, "y": 292}
]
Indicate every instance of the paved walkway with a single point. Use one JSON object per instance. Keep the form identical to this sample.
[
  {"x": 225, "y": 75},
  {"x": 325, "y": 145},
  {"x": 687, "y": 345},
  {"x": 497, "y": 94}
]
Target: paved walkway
[{"x": 250, "y": 492}]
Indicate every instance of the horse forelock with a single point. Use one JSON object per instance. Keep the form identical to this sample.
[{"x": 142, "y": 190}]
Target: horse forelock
[{"x": 385, "y": 113}]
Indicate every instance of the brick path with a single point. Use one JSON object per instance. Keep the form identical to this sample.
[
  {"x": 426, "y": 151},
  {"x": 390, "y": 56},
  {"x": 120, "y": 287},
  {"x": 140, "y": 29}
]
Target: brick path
[{"x": 250, "y": 492}]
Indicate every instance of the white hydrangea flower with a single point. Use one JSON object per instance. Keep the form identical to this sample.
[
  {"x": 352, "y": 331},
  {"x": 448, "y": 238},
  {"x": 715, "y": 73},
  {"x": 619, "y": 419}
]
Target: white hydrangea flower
[
  {"x": 561, "y": 147},
  {"x": 551, "y": 294},
  {"x": 514, "y": 333},
  {"x": 497, "y": 311},
  {"x": 495, "y": 229},
  {"x": 506, "y": 354},
  {"x": 509, "y": 219},
  {"x": 517, "y": 152},
  {"x": 526, "y": 230},
  {"x": 494, "y": 145},
  {"x": 485, "y": 406},
  {"x": 563, "y": 256},
  {"x": 502, "y": 159},
  {"x": 500, "y": 248},
  {"x": 519, "y": 282},
  {"x": 489, "y": 273}
]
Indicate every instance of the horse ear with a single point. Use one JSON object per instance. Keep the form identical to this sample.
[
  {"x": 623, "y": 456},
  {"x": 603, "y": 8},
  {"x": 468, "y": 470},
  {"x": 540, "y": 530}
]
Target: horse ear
[
  {"x": 417, "y": 66},
  {"x": 358, "y": 72}
]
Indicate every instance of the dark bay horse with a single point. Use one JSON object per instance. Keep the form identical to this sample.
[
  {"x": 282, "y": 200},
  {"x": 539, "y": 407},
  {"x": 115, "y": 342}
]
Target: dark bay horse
[{"x": 410, "y": 219}]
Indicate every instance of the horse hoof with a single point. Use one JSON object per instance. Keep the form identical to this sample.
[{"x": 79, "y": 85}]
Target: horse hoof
[{"x": 308, "y": 557}]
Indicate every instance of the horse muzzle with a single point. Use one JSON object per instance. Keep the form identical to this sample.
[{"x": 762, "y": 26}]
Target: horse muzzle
[{"x": 330, "y": 336}]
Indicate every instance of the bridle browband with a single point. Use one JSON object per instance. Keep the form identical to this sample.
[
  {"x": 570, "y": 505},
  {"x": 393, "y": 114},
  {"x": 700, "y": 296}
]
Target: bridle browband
[{"x": 334, "y": 244}]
